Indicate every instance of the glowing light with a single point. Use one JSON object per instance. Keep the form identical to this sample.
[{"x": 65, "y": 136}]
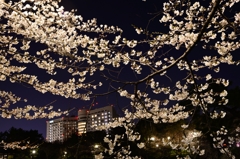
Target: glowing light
[{"x": 238, "y": 144}]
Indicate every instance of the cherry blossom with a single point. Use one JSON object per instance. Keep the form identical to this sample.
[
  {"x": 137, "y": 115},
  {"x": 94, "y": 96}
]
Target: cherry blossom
[{"x": 85, "y": 50}]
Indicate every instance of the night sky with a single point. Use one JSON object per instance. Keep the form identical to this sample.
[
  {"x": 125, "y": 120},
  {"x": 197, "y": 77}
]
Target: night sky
[{"x": 122, "y": 13}]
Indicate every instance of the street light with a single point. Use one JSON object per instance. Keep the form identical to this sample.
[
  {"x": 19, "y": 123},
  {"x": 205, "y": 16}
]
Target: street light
[
  {"x": 152, "y": 138},
  {"x": 65, "y": 154},
  {"x": 96, "y": 146},
  {"x": 33, "y": 153}
]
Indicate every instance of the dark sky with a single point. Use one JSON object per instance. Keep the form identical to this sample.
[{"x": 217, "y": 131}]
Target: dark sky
[{"x": 122, "y": 13}]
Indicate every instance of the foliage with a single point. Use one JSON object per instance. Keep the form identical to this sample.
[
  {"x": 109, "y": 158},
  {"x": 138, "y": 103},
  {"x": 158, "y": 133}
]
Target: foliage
[{"x": 19, "y": 142}]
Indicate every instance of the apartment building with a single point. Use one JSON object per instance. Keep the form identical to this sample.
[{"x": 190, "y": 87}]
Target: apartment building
[{"x": 62, "y": 128}]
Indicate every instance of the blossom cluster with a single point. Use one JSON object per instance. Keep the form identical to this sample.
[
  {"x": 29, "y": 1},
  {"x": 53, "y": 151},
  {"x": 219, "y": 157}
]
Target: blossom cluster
[
  {"x": 84, "y": 51},
  {"x": 17, "y": 145},
  {"x": 224, "y": 142}
]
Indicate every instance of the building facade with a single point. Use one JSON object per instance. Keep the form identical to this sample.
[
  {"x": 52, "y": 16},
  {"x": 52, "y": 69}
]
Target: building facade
[
  {"x": 82, "y": 120},
  {"x": 62, "y": 128},
  {"x": 94, "y": 118}
]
